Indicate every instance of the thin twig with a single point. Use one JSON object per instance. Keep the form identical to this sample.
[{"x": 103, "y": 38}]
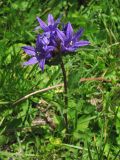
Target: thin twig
[{"x": 36, "y": 92}]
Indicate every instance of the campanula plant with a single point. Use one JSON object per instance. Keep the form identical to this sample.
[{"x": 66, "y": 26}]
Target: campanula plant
[
  {"x": 52, "y": 44},
  {"x": 53, "y": 40}
]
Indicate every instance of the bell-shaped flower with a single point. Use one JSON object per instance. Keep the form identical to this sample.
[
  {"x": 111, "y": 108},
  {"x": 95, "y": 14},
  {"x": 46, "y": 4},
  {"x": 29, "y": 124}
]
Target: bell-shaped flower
[
  {"x": 70, "y": 40},
  {"x": 40, "y": 53}
]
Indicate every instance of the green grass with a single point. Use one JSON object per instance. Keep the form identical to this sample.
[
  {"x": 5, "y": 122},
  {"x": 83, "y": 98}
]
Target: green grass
[{"x": 93, "y": 111}]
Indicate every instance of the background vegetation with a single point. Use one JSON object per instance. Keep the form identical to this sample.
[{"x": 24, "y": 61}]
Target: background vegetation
[{"x": 33, "y": 128}]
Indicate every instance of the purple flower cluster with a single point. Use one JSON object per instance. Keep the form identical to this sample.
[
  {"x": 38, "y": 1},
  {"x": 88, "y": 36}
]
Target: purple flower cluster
[{"x": 53, "y": 42}]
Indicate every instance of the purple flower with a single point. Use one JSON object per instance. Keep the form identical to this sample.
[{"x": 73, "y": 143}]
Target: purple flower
[
  {"x": 51, "y": 26},
  {"x": 70, "y": 40},
  {"x": 40, "y": 53},
  {"x": 52, "y": 42}
]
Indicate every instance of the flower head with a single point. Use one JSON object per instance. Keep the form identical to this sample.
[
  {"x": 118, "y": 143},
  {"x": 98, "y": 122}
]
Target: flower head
[
  {"x": 70, "y": 40},
  {"x": 40, "y": 53},
  {"x": 53, "y": 42}
]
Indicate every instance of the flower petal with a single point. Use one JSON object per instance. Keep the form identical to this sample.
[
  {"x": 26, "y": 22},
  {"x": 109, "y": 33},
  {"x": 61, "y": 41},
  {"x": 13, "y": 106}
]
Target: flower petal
[
  {"x": 50, "y": 20},
  {"x": 78, "y": 34},
  {"x": 64, "y": 27},
  {"x": 81, "y": 43},
  {"x": 36, "y": 28},
  {"x": 69, "y": 31},
  {"x": 43, "y": 25},
  {"x": 48, "y": 56},
  {"x": 50, "y": 48},
  {"x": 60, "y": 35},
  {"x": 29, "y": 50},
  {"x": 42, "y": 64},
  {"x": 39, "y": 43},
  {"x": 57, "y": 22},
  {"x": 70, "y": 49},
  {"x": 45, "y": 40},
  {"x": 31, "y": 61}
]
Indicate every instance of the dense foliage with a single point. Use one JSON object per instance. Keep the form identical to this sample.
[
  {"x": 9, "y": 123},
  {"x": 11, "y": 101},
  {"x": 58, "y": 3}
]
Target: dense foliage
[{"x": 32, "y": 125}]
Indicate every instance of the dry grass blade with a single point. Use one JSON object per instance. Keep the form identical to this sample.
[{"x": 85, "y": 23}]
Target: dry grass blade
[
  {"x": 95, "y": 79},
  {"x": 36, "y": 92}
]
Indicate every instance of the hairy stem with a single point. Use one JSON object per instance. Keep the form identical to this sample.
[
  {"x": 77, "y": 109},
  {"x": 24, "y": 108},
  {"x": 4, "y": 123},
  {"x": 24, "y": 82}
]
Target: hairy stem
[{"x": 65, "y": 93}]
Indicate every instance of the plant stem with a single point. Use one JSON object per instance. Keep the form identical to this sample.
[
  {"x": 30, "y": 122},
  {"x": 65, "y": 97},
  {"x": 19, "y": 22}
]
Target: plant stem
[{"x": 65, "y": 93}]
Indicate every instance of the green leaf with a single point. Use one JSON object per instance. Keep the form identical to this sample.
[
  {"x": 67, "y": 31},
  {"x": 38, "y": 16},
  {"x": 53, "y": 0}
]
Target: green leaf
[
  {"x": 83, "y": 122},
  {"x": 3, "y": 140}
]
